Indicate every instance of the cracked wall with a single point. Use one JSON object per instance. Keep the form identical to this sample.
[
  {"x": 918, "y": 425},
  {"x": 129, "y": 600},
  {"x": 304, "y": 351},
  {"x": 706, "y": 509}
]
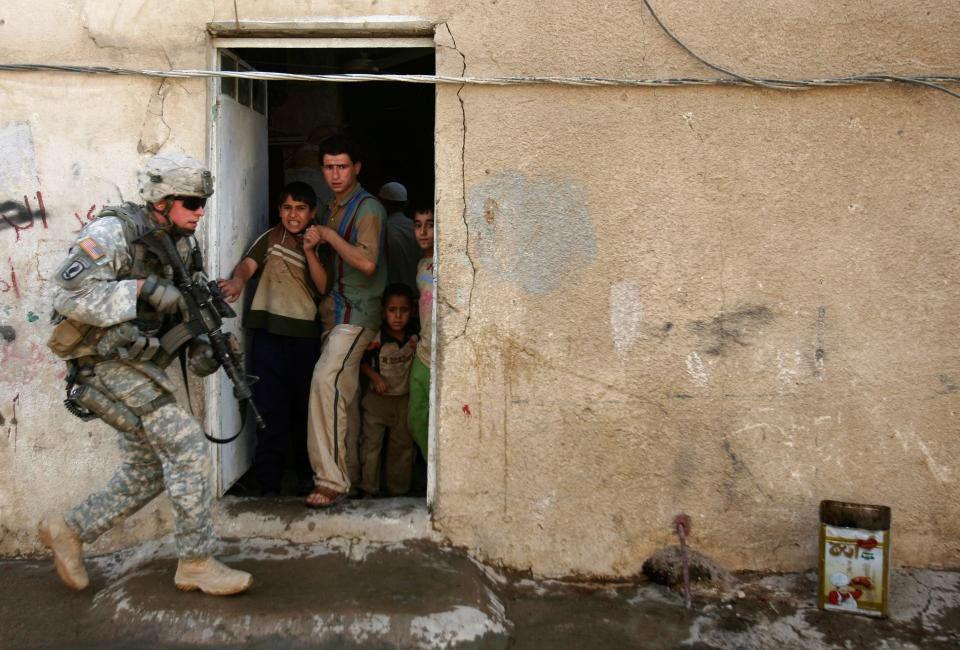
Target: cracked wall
[{"x": 726, "y": 301}]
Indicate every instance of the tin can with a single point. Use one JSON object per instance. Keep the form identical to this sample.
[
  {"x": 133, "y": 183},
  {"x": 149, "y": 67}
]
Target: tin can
[{"x": 854, "y": 558}]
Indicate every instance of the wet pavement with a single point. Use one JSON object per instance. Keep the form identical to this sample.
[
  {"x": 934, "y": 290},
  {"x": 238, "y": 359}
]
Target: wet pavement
[{"x": 343, "y": 593}]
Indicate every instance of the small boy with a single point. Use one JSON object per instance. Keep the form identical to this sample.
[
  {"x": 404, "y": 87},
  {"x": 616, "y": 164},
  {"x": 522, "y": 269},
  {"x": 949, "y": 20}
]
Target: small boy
[
  {"x": 418, "y": 414},
  {"x": 286, "y": 334},
  {"x": 386, "y": 363}
]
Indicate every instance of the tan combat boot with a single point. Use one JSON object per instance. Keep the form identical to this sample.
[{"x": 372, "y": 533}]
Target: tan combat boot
[
  {"x": 67, "y": 551},
  {"x": 211, "y": 577}
]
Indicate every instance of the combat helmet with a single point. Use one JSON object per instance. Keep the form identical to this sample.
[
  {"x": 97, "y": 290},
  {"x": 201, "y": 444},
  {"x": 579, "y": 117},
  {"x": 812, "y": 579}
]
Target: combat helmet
[{"x": 168, "y": 174}]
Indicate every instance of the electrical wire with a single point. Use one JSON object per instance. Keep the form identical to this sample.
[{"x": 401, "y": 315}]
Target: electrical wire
[
  {"x": 750, "y": 80},
  {"x": 733, "y": 78},
  {"x": 779, "y": 84},
  {"x": 798, "y": 84}
]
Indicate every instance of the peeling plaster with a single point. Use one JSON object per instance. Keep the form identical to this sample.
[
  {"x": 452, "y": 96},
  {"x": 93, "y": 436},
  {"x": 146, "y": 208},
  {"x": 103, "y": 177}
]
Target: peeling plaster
[
  {"x": 788, "y": 366},
  {"x": 18, "y": 164},
  {"x": 697, "y": 370},
  {"x": 910, "y": 440},
  {"x": 532, "y": 229},
  {"x": 626, "y": 315}
]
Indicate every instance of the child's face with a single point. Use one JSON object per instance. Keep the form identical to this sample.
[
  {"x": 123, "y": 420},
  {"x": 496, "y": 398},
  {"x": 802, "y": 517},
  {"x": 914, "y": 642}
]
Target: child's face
[
  {"x": 423, "y": 229},
  {"x": 397, "y": 310},
  {"x": 295, "y": 215}
]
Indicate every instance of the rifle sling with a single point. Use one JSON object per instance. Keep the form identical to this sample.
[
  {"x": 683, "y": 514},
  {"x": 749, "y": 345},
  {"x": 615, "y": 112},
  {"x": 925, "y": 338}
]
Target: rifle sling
[{"x": 186, "y": 389}]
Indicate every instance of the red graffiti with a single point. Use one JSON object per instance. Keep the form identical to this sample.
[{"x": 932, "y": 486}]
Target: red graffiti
[
  {"x": 85, "y": 220},
  {"x": 12, "y": 285},
  {"x": 466, "y": 409},
  {"x": 26, "y": 215},
  {"x": 43, "y": 210},
  {"x": 23, "y": 357}
]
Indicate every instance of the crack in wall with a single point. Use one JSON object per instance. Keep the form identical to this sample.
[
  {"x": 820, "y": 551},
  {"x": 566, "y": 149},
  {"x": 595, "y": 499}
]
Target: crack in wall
[
  {"x": 644, "y": 45},
  {"x": 463, "y": 181},
  {"x": 152, "y": 142},
  {"x": 167, "y": 57},
  {"x": 85, "y": 25},
  {"x": 93, "y": 38}
]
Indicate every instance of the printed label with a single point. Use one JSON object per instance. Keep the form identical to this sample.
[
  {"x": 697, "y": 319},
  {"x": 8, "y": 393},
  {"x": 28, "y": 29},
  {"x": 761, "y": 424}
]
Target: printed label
[{"x": 854, "y": 570}]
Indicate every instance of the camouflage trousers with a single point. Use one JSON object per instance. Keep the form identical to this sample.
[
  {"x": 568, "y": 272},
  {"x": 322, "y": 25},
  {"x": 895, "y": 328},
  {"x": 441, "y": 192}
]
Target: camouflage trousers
[{"x": 168, "y": 451}]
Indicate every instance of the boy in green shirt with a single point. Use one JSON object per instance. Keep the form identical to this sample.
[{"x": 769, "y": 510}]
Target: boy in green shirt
[{"x": 419, "y": 410}]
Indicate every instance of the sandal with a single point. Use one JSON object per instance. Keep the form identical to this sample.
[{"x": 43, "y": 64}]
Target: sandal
[{"x": 329, "y": 497}]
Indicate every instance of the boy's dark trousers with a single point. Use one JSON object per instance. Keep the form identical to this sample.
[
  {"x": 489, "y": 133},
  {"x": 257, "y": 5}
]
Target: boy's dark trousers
[{"x": 284, "y": 365}]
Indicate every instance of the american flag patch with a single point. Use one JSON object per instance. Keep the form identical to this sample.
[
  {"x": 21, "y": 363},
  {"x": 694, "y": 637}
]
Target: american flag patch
[{"x": 92, "y": 248}]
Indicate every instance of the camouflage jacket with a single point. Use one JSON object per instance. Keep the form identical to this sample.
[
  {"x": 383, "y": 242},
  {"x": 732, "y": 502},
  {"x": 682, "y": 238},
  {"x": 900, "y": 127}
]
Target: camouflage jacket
[{"x": 97, "y": 282}]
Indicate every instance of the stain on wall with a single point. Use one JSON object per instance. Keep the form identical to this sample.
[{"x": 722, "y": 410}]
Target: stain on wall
[
  {"x": 532, "y": 230},
  {"x": 731, "y": 328},
  {"x": 12, "y": 425}
]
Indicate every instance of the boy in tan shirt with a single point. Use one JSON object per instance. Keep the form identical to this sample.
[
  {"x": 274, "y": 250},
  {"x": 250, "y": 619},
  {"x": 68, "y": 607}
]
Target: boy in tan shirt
[{"x": 286, "y": 334}]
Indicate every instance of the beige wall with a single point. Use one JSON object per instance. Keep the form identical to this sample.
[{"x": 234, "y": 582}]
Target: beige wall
[{"x": 725, "y": 301}]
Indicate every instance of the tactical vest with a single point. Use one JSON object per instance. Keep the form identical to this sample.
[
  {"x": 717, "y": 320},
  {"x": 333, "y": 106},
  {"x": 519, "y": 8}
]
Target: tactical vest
[
  {"x": 71, "y": 339},
  {"x": 136, "y": 224}
]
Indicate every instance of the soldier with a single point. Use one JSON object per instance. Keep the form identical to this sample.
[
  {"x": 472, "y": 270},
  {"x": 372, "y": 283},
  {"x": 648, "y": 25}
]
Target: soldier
[{"x": 120, "y": 322}]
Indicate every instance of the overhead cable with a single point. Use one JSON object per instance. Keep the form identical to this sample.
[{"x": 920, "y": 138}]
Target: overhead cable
[
  {"x": 733, "y": 78},
  {"x": 780, "y": 84},
  {"x": 799, "y": 84}
]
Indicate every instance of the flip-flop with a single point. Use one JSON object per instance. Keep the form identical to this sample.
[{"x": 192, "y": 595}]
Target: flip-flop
[{"x": 333, "y": 497}]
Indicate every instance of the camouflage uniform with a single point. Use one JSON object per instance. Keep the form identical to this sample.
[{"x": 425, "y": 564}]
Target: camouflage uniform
[{"x": 97, "y": 285}]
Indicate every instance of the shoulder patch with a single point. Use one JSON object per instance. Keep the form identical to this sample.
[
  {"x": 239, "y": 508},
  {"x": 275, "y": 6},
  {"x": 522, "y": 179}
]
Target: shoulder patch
[
  {"x": 76, "y": 267},
  {"x": 92, "y": 248}
]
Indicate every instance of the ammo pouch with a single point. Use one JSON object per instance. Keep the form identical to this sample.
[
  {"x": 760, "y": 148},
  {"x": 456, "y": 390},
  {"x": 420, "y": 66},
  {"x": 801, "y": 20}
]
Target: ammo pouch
[
  {"x": 71, "y": 339},
  {"x": 87, "y": 401},
  {"x": 127, "y": 342},
  {"x": 114, "y": 413}
]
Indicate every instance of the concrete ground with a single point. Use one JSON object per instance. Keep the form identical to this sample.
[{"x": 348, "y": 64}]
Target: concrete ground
[{"x": 347, "y": 593}]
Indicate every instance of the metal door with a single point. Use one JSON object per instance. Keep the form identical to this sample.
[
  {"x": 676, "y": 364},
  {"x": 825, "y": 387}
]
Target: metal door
[{"x": 240, "y": 213}]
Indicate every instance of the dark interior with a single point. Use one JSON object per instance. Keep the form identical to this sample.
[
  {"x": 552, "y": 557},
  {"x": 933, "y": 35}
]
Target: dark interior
[{"x": 391, "y": 121}]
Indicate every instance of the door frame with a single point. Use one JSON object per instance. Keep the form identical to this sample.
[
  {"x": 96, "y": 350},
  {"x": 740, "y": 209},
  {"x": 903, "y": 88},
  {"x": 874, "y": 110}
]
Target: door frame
[{"x": 329, "y": 33}]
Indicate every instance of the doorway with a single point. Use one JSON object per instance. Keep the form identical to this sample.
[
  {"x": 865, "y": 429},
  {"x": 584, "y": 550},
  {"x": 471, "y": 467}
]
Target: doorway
[{"x": 266, "y": 133}]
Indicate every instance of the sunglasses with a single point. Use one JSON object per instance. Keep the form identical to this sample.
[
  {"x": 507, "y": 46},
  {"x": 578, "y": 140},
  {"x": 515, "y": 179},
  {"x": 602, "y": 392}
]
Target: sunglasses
[{"x": 191, "y": 202}]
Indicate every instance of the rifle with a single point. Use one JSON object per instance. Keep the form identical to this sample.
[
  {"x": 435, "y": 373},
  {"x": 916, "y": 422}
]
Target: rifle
[{"x": 206, "y": 310}]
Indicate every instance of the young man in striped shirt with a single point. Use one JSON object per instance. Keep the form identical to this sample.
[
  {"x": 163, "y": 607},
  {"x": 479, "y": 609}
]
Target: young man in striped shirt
[{"x": 354, "y": 240}]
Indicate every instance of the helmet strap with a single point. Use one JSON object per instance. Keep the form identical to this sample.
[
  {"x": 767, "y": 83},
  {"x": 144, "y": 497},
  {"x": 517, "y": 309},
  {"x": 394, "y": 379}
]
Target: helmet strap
[{"x": 166, "y": 223}]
